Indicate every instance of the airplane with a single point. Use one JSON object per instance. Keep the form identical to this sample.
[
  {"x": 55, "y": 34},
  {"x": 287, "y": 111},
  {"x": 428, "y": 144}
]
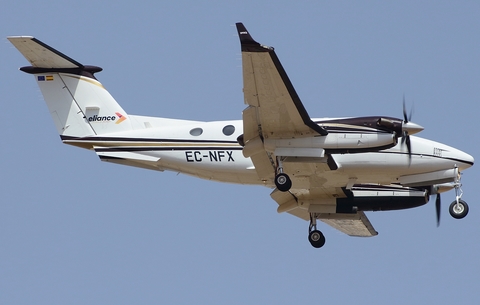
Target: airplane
[{"x": 333, "y": 170}]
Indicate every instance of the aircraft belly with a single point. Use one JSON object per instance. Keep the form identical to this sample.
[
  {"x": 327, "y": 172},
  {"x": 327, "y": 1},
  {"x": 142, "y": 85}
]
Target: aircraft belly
[{"x": 223, "y": 166}]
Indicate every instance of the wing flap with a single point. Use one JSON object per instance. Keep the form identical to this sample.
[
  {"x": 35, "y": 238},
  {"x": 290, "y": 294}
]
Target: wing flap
[
  {"x": 351, "y": 224},
  {"x": 250, "y": 123}
]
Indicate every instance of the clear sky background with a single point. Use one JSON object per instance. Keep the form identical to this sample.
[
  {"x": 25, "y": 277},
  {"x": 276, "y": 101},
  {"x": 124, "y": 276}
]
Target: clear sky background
[{"x": 74, "y": 230}]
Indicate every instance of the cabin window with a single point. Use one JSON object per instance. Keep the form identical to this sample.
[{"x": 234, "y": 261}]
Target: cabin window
[
  {"x": 196, "y": 131},
  {"x": 228, "y": 130}
]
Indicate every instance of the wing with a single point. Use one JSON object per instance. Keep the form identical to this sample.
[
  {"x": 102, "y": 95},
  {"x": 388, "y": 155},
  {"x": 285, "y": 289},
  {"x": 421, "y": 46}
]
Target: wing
[
  {"x": 268, "y": 90},
  {"x": 275, "y": 110},
  {"x": 275, "y": 113}
]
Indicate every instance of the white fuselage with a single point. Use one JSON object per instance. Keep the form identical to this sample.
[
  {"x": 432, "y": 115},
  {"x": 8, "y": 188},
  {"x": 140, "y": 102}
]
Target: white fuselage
[{"x": 202, "y": 149}]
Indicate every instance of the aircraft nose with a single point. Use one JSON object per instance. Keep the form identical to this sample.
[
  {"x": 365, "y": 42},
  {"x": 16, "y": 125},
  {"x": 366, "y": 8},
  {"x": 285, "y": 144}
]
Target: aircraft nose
[
  {"x": 465, "y": 159},
  {"x": 469, "y": 159}
]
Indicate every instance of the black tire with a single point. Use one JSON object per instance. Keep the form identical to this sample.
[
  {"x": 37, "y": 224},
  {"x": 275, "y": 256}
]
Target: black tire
[
  {"x": 316, "y": 238},
  {"x": 458, "y": 212},
  {"x": 283, "y": 182}
]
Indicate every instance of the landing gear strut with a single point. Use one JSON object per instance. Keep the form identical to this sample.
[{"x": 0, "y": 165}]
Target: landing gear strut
[
  {"x": 315, "y": 237},
  {"x": 282, "y": 181},
  {"x": 459, "y": 208}
]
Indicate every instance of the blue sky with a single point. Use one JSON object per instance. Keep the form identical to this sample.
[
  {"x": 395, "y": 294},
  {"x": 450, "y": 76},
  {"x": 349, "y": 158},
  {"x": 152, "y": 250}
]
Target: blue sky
[{"x": 74, "y": 230}]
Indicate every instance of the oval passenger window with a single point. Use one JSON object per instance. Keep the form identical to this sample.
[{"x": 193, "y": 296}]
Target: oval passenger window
[
  {"x": 228, "y": 130},
  {"x": 196, "y": 131}
]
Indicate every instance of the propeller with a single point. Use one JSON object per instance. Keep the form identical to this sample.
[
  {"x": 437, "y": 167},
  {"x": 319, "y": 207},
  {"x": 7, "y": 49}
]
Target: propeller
[
  {"x": 437, "y": 208},
  {"x": 408, "y": 128},
  {"x": 405, "y": 125}
]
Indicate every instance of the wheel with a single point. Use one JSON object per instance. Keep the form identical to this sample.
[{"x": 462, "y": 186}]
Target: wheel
[
  {"x": 283, "y": 182},
  {"x": 316, "y": 238},
  {"x": 459, "y": 210}
]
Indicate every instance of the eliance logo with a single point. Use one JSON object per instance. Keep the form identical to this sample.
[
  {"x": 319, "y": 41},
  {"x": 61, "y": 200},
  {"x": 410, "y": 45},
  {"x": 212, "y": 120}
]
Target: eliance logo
[
  {"x": 121, "y": 117},
  {"x": 106, "y": 118}
]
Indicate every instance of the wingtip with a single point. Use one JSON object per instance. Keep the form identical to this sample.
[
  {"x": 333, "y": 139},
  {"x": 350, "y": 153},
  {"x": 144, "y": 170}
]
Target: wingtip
[
  {"x": 247, "y": 42},
  {"x": 245, "y": 37}
]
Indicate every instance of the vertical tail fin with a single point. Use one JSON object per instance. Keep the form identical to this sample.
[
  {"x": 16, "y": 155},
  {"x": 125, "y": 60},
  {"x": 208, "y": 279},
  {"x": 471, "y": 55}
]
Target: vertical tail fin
[{"x": 80, "y": 106}]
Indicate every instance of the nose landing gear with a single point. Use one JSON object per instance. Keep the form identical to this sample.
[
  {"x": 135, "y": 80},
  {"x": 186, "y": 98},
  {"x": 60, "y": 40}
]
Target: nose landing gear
[{"x": 458, "y": 209}]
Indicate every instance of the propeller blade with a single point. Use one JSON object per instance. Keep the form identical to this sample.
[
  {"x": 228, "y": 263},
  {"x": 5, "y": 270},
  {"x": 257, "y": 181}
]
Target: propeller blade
[
  {"x": 405, "y": 135},
  {"x": 437, "y": 208},
  {"x": 409, "y": 146},
  {"x": 409, "y": 149},
  {"x": 406, "y": 141},
  {"x": 406, "y": 118}
]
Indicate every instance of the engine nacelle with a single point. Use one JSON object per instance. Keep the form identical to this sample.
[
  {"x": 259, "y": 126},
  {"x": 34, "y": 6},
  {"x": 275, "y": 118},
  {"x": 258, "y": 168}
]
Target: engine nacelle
[
  {"x": 331, "y": 143},
  {"x": 372, "y": 198},
  {"x": 359, "y": 198}
]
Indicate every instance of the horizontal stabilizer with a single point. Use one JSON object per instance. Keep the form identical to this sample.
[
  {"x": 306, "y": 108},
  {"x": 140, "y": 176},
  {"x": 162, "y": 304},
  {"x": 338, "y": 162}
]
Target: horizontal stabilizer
[
  {"x": 41, "y": 55},
  {"x": 130, "y": 159}
]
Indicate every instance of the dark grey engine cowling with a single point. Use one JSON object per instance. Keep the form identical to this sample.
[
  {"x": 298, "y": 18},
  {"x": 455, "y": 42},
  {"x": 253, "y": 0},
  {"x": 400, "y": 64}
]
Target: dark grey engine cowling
[{"x": 380, "y": 198}]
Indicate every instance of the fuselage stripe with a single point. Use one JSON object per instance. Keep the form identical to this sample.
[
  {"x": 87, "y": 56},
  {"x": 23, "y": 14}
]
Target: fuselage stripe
[{"x": 172, "y": 148}]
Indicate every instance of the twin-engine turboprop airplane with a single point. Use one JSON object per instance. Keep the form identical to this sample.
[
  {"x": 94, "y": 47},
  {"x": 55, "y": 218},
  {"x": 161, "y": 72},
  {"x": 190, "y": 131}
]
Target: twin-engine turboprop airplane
[{"x": 328, "y": 169}]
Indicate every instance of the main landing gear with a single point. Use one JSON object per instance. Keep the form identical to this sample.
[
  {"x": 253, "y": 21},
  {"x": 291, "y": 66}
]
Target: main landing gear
[
  {"x": 283, "y": 184},
  {"x": 282, "y": 181},
  {"x": 315, "y": 237}
]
